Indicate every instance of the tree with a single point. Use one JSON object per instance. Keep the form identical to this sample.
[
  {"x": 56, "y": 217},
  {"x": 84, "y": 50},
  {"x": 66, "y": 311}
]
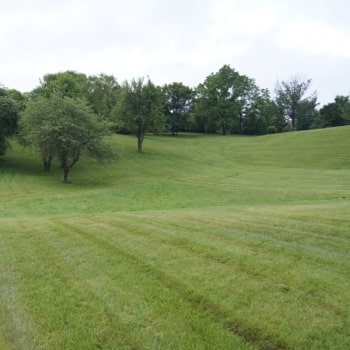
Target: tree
[
  {"x": 345, "y": 111},
  {"x": 258, "y": 112},
  {"x": 63, "y": 127},
  {"x": 69, "y": 83},
  {"x": 222, "y": 99},
  {"x": 178, "y": 104},
  {"x": 292, "y": 103},
  {"x": 331, "y": 113},
  {"x": 140, "y": 109},
  {"x": 103, "y": 93},
  {"x": 8, "y": 118}
]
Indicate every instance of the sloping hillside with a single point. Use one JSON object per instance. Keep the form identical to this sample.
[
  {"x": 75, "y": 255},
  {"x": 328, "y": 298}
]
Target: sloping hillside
[{"x": 202, "y": 242}]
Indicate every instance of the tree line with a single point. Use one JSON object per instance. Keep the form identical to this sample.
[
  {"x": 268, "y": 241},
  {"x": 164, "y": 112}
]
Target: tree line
[{"x": 68, "y": 114}]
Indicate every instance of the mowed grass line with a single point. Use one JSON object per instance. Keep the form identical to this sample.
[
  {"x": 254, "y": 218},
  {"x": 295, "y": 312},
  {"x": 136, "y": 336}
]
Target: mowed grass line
[
  {"x": 296, "y": 275},
  {"x": 81, "y": 270},
  {"x": 61, "y": 310},
  {"x": 238, "y": 280}
]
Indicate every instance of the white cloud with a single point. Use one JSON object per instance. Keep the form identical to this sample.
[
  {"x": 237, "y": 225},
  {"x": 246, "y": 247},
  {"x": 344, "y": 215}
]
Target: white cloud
[{"x": 317, "y": 38}]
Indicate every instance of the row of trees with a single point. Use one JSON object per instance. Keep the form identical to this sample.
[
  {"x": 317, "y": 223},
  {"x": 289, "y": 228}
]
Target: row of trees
[{"x": 68, "y": 114}]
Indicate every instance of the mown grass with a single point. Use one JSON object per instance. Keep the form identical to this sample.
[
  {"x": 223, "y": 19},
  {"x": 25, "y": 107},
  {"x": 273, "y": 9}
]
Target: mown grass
[{"x": 202, "y": 242}]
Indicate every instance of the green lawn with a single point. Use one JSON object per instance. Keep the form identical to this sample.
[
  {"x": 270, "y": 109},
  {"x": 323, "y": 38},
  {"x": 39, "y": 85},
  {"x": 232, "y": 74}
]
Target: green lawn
[{"x": 201, "y": 242}]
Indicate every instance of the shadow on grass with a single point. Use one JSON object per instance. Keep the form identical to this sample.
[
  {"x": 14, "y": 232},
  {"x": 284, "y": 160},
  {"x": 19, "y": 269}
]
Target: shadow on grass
[{"x": 21, "y": 166}]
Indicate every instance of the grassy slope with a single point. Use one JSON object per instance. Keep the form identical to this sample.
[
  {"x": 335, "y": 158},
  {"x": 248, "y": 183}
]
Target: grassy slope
[{"x": 201, "y": 242}]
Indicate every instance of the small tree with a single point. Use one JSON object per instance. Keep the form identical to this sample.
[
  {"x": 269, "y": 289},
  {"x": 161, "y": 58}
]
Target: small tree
[
  {"x": 292, "y": 103},
  {"x": 140, "y": 109},
  {"x": 63, "y": 127}
]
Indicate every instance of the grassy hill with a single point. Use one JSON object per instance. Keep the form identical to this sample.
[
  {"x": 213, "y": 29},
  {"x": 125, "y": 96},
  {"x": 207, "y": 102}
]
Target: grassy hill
[{"x": 201, "y": 242}]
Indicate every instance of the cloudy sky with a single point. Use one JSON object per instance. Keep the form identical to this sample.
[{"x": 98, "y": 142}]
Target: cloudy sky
[{"x": 178, "y": 40}]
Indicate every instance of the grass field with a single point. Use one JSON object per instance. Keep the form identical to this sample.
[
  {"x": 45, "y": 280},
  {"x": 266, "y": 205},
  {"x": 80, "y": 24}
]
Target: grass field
[{"x": 201, "y": 242}]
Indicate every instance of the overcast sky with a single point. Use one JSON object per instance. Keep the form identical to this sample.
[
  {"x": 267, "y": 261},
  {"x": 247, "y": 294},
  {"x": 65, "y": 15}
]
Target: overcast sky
[{"x": 178, "y": 40}]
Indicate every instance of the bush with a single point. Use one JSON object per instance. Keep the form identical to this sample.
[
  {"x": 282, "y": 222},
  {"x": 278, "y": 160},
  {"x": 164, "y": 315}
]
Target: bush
[{"x": 271, "y": 129}]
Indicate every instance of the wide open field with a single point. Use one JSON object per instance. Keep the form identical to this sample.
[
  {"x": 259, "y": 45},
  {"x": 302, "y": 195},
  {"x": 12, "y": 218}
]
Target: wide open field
[{"x": 202, "y": 242}]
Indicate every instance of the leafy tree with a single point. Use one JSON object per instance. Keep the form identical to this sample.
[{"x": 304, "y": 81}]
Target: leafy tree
[
  {"x": 103, "y": 93},
  {"x": 204, "y": 119},
  {"x": 345, "y": 111},
  {"x": 258, "y": 112},
  {"x": 277, "y": 118},
  {"x": 216, "y": 100},
  {"x": 331, "y": 113},
  {"x": 69, "y": 84},
  {"x": 140, "y": 109},
  {"x": 19, "y": 98},
  {"x": 38, "y": 127},
  {"x": 293, "y": 104},
  {"x": 307, "y": 115},
  {"x": 63, "y": 127},
  {"x": 9, "y": 114},
  {"x": 178, "y": 104},
  {"x": 223, "y": 98}
]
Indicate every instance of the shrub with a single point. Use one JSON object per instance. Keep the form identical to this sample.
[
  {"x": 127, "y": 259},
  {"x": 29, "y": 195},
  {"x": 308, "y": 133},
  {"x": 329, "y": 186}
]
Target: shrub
[{"x": 271, "y": 129}]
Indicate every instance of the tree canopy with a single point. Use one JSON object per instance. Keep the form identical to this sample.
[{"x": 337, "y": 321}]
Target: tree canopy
[
  {"x": 332, "y": 113},
  {"x": 9, "y": 114},
  {"x": 140, "y": 108},
  {"x": 62, "y": 127},
  {"x": 103, "y": 94},
  {"x": 178, "y": 104},
  {"x": 69, "y": 83},
  {"x": 293, "y": 103},
  {"x": 230, "y": 102}
]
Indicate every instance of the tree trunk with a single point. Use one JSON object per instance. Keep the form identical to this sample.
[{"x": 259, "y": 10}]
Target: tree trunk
[
  {"x": 47, "y": 164},
  {"x": 293, "y": 118},
  {"x": 65, "y": 173},
  {"x": 293, "y": 124},
  {"x": 224, "y": 128},
  {"x": 139, "y": 143},
  {"x": 240, "y": 122}
]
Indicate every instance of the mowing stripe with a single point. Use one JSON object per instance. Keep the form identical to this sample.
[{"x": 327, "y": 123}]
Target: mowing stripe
[
  {"x": 47, "y": 288},
  {"x": 187, "y": 294}
]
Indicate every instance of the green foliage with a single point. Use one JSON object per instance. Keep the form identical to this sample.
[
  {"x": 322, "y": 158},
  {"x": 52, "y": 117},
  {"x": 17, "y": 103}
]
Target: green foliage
[
  {"x": 307, "y": 114},
  {"x": 63, "y": 127},
  {"x": 178, "y": 104},
  {"x": 271, "y": 129},
  {"x": 140, "y": 109},
  {"x": 344, "y": 108},
  {"x": 103, "y": 94},
  {"x": 9, "y": 114},
  {"x": 257, "y": 112},
  {"x": 331, "y": 113},
  {"x": 293, "y": 105},
  {"x": 65, "y": 84},
  {"x": 231, "y": 103},
  {"x": 217, "y": 100}
]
